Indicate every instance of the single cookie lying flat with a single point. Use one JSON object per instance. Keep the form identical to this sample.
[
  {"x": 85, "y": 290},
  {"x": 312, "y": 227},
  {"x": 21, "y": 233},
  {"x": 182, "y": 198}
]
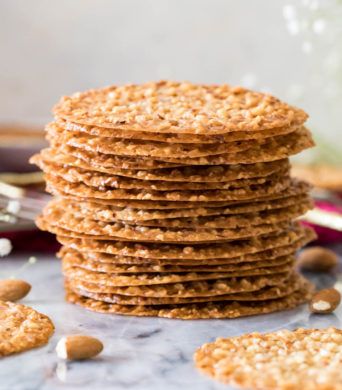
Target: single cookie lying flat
[
  {"x": 309, "y": 359},
  {"x": 22, "y": 328}
]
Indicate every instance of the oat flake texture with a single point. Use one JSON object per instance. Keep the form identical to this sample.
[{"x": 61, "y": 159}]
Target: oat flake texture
[
  {"x": 22, "y": 328},
  {"x": 309, "y": 359}
]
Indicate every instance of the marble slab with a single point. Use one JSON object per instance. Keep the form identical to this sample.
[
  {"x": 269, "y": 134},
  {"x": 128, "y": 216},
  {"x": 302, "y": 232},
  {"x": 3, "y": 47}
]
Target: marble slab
[{"x": 140, "y": 353}]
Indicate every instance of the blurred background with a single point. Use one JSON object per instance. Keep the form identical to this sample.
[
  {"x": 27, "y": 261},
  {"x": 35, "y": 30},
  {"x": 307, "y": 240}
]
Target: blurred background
[{"x": 292, "y": 49}]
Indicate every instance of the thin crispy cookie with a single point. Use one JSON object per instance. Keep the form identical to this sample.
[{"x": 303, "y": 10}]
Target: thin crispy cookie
[
  {"x": 203, "y": 174},
  {"x": 196, "y": 310},
  {"x": 309, "y": 359},
  {"x": 270, "y": 187},
  {"x": 172, "y": 107},
  {"x": 190, "y": 252},
  {"x": 136, "y": 147},
  {"x": 295, "y": 188},
  {"x": 22, "y": 328},
  {"x": 174, "y": 137},
  {"x": 109, "y": 213},
  {"x": 102, "y": 180},
  {"x": 94, "y": 262},
  {"x": 86, "y": 228},
  {"x": 207, "y": 222},
  {"x": 282, "y": 290},
  {"x": 146, "y": 279},
  {"x": 272, "y": 150},
  {"x": 197, "y": 288}
]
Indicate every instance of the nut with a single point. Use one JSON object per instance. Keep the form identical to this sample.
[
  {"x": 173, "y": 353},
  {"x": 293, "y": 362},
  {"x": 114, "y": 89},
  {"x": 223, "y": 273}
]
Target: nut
[
  {"x": 317, "y": 259},
  {"x": 13, "y": 289},
  {"x": 325, "y": 301},
  {"x": 78, "y": 347}
]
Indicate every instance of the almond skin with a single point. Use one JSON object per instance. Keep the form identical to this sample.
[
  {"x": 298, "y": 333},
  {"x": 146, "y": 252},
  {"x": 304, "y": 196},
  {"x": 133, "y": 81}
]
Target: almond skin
[
  {"x": 325, "y": 301},
  {"x": 13, "y": 289},
  {"x": 78, "y": 347},
  {"x": 317, "y": 259}
]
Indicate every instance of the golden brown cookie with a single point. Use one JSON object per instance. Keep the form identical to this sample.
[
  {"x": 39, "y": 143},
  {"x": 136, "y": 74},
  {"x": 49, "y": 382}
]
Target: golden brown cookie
[
  {"x": 22, "y": 328},
  {"x": 54, "y": 220},
  {"x": 206, "y": 222},
  {"x": 226, "y": 309},
  {"x": 110, "y": 213},
  {"x": 136, "y": 147},
  {"x": 299, "y": 359},
  {"x": 146, "y": 279},
  {"x": 285, "y": 288},
  {"x": 195, "y": 288},
  {"x": 102, "y": 180},
  {"x": 272, "y": 150},
  {"x": 174, "y": 137},
  {"x": 172, "y": 107},
  {"x": 269, "y": 187},
  {"x": 243, "y": 249},
  {"x": 102, "y": 263},
  {"x": 204, "y": 174},
  {"x": 295, "y": 188}
]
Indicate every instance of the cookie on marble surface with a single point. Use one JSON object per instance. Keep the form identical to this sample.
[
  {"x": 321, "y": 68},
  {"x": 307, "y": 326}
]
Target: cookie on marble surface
[
  {"x": 299, "y": 359},
  {"x": 173, "y": 107},
  {"x": 22, "y": 328},
  {"x": 194, "y": 311}
]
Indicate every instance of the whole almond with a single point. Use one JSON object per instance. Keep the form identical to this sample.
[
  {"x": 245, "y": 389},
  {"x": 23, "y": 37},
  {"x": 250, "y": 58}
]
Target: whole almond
[
  {"x": 78, "y": 347},
  {"x": 13, "y": 289},
  {"x": 317, "y": 259},
  {"x": 325, "y": 301}
]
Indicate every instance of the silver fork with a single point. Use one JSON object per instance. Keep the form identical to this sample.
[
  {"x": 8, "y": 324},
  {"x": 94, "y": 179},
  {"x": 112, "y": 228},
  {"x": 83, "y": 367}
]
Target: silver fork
[{"x": 17, "y": 202}]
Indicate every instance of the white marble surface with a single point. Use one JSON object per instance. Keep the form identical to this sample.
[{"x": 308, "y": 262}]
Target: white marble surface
[{"x": 140, "y": 353}]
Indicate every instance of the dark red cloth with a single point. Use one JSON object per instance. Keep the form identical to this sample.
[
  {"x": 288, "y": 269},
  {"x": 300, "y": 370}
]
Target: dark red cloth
[
  {"x": 326, "y": 235},
  {"x": 32, "y": 241}
]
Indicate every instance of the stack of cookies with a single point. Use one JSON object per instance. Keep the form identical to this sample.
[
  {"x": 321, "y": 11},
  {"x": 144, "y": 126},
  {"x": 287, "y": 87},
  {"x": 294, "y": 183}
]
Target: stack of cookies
[{"x": 175, "y": 200}]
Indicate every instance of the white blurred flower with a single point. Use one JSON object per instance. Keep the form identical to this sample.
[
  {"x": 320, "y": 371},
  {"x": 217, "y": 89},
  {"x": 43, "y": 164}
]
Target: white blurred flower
[
  {"x": 289, "y": 12},
  {"x": 318, "y": 26},
  {"x": 5, "y": 247},
  {"x": 32, "y": 260},
  {"x": 293, "y": 27}
]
